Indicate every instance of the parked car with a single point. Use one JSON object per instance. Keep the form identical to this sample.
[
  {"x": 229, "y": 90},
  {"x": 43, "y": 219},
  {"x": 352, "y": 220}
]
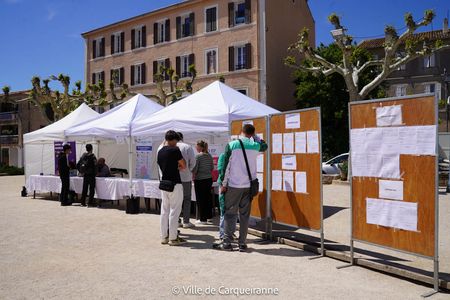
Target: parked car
[{"x": 332, "y": 166}]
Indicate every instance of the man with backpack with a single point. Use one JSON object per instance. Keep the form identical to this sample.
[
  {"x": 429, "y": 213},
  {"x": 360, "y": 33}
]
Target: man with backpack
[{"x": 87, "y": 167}]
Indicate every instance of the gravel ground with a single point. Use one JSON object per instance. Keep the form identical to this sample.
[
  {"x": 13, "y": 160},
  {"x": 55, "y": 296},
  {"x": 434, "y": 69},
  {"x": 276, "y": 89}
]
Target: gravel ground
[{"x": 49, "y": 251}]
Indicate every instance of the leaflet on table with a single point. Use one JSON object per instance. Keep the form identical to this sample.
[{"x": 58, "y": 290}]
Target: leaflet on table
[
  {"x": 288, "y": 143},
  {"x": 260, "y": 177},
  {"x": 312, "y": 140},
  {"x": 277, "y": 180},
  {"x": 300, "y": 182},
  {"x": 289, "y": 162},
  {"x": 300, "y": 142},
  {"x": 389, "y": 115},
  {"x": 277, "y": 143},
  {"x": 260, "y": 163},
  {"x": 391, "y": 213},
  {"x": 292, "y": 121},
  {"x": 390, "y": 189},
  {"x": 288, "y": 181}
]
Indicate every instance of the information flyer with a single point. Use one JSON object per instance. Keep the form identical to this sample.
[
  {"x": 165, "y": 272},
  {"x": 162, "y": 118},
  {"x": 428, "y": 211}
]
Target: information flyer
[{"x": 144, "y": 150}]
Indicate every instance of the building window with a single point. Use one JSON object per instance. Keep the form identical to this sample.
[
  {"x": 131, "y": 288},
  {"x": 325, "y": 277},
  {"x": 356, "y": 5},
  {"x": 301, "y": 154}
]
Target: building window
[
  {"x": 161, "y": 31},
  {"x": 97, "y": 77},
  {"x": 160, "y": 66},
  {"x": 211, "y": 19},
  {"x": 138, "y": 74},
  {"x": 400, "y": 90},
  {"x": 429, "y": 61},
  {"x": 138, "y": 37},
  {"x": 400, "y": 56},
  {"x": 239, "y": 13},
  {"x": 186, "y": 25},
  {"x": 98, "y": 47},
  {"x": 117, "y": 76},
  {"x": 434, "y": 88},
  {"x": 239, "y": 57},
  {"x": 243, "y": 91},
  {"x": 211, "y": 61},
  {"x": 117, "y": 42},
  {"x": 182, "y": 65}
]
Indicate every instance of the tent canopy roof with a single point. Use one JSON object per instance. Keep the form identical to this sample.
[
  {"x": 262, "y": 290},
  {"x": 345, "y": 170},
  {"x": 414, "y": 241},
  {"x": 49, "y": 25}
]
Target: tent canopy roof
[
  {"x": 118, "y": 121},
  {"x": 209, "y": 110},
  {"x": 55, "y": 131}
]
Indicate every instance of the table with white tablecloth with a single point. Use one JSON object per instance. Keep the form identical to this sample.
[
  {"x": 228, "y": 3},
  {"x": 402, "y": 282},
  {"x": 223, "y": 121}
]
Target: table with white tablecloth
[{"x": 106, "y": 188}]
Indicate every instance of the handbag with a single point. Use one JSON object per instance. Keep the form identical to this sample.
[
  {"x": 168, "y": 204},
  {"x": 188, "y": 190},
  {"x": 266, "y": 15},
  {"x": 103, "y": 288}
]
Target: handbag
[
  {"x": 254, "y": 183},
  {"x": 166, "y": 185}
]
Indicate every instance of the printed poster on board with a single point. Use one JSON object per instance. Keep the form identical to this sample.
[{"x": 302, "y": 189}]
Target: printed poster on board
[
  {"x": 144, "y": 150},
  {"x": 58, "y": 147}
]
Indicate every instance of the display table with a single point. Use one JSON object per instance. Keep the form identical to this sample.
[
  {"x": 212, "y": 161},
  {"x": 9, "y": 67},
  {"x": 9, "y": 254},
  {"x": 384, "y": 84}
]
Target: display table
[{"x": 106, "y": 188}]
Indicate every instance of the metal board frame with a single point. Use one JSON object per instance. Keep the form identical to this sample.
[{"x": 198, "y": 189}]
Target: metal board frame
[
  {"x": 269, "y": 181},
  {"x": 435, "y": 257}
]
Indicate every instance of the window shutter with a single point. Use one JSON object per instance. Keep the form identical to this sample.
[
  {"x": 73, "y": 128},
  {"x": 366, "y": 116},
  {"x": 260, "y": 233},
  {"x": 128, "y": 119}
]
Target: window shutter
[
  {"x": 112, "y": 44},
  {"x": 133, "y": 38},
  {"x": 122, "y": 41},
  {"x": 178, "y": 21},
  {"x": 167, "y": 65},
  {"x": 132, "y": 75},
  {"x": 102, "y": 48},
  {"x": 248, "y": 56},
  {"x": 208, "y": 62},
  {"x": 231, "y": 14},
  {"x": 231, "y": 59},
  {"x": 102, "y": 76},
  {"x": 122, "y": 75},
  {"x": 155, "y": 33},
  {"x": 178, "y": 66},
  {"x": 213, "y": 19},
  {"x": 111, "y": 75},
  {"x": 94, "y": 49},
  {"x": 191, "y": 59},
  {"x": 248, "y": 11},
  {"x": 192, "y": 23},
  {"x": 93, "y": 78},
  {"x": 143, "y": 73},
  {"x": 144, "y": 36},
  {"x": 155, "y": 70},
  {"x": 167, "y": 37}
]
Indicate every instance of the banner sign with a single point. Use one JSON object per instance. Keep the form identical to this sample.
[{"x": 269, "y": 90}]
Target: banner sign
[
  {"x": 144, "y": 150},
  {"x": 58, "y": 148}
]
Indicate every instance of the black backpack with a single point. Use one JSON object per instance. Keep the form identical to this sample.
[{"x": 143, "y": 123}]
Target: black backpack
[{"x": 86, "y": 164}]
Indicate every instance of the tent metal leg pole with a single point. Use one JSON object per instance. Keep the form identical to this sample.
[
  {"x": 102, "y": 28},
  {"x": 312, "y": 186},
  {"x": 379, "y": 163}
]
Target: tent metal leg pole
[{"x": 352, "y": 260}]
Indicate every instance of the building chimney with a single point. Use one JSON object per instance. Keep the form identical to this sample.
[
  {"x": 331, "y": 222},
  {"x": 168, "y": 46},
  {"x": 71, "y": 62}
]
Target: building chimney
[{"x": 445, "y": 28}]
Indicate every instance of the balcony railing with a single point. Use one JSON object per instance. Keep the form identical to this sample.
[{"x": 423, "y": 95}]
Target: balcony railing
[
  {"x": 8, "y": 116},
  {"x": 9, "y": 139}
]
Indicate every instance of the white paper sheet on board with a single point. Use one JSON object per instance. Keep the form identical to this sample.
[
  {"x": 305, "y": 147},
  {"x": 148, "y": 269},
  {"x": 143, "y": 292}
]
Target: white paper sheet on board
[
  {"x": 389, "y": 115},
  {"x": 247, "y": 122},
  {"x": 312, "y": 140},
  {"x": 300, "y": 142},
  {"x": 390, "y": 166},
  {"x": 260, "y": 177},
  {"x": 357, "y": 140},
  {"x": 359, "y": 164},
  {"x": 390, "y": 189},
  {"x": 260, "y": 135},
  {"x": 288, "y": 181},
  {"x": 260, "y": 163},
  {"x": 391, "y": 213},
  {"x": 300, "y": 182},
  {"x": 426, "y": 140},
  {"x": 373, "y": 140},
  {"x": 289, "y": 162},
  {"x": 277, "y": 143},
  {"x": 292, "y": 121},
  {"x": 407, "y": 136},
  {"x": 390, "y": 140},
  {"x": 277, "y": 180},
  {"x": 288, "y": 143}
]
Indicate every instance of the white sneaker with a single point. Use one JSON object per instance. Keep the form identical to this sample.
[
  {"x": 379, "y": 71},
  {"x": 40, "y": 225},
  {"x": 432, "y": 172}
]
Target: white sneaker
[
  {"x": 188, "y": 225},
  {"x": 209, "y": 221},
  {"x": 200, "y": 222}
]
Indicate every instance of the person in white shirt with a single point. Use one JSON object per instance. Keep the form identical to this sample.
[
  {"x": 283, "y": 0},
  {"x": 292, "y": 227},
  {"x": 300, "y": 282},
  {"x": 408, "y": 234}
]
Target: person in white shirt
[{"x": 186, "y": 179}]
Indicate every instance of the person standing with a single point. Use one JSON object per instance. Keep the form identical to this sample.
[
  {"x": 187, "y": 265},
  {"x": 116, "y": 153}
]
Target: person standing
[
  {"x": 186, "y": 178},
  {"x": 170, "y": 162},
  {"x": 237, "y": 191},
  {"x": 203, "y": 182},
  {"x": 87, "y": 167},
  {"x": 64, "y": 174}
]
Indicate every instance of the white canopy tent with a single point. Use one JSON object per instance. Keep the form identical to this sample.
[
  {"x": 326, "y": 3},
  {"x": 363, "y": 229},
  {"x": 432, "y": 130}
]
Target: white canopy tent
[
  {"x": 208, "y": 111},
  {"x": 39, "y": 147},
  {"x": 117, "y": 124}
]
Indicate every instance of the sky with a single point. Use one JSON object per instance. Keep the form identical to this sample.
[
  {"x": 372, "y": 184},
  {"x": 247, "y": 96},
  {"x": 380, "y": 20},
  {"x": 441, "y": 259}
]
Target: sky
[{"x": 42, "y": 37}]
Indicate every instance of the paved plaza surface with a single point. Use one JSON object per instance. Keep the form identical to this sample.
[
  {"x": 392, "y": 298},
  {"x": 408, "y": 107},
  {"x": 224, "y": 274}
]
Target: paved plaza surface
[{"x": 53, "y": 252}]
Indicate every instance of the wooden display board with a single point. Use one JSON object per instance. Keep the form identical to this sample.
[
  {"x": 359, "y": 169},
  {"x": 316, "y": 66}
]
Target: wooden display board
[
  {"x": 259, "y": 203},
  {"x": 417, "y": 172},
  {"x": 299, "y": 209}
]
